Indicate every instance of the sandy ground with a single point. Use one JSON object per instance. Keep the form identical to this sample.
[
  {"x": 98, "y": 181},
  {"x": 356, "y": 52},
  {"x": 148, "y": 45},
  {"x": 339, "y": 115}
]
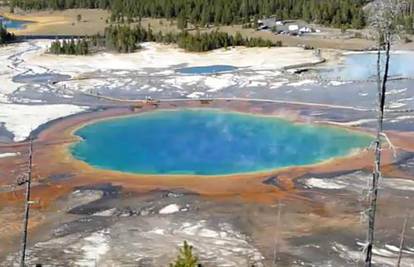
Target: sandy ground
[{"x": 60, "y": 22}]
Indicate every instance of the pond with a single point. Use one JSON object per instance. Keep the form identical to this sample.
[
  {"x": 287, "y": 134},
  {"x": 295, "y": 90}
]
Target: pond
[
  {"x": 13, "y": 24},
  {"x": 207, "y": 69},
  {"x": 208, "y": 142},
  {"x": 362, "y": 66}
]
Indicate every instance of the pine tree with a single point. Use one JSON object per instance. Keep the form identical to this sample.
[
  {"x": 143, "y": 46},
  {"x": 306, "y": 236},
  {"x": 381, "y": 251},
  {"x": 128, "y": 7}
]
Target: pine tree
[
  {"x": 409, "y": 24},
  {"x": 78, "y": 47},
  {"x": 186, "y": 257},
  {"x": 182, "y": 21},
  {"x": 5, "y": 36},
  {"x": 205, "y": 15}
]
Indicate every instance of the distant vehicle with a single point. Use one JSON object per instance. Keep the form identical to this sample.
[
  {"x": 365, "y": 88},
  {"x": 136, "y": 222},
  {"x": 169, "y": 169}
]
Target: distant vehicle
[
  {"x": 263, "y": 27},
  {"x": 306, "y": 30},
  {"x": 293, "y": 27}
]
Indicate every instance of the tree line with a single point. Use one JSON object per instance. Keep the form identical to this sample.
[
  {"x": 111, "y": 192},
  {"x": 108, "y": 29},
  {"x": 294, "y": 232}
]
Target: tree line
[
  {"x": 127, "y": 39},
  {"x": 5, "y": 36},
  {"x": 71, "y": 47},
  {"x": 226, "y": 12},
  {"x": 338, "y": 13},
  {"x": 124, "y": 39},
  {"x": 406, "y": 17},
  {"x": 59, "y": 4}
]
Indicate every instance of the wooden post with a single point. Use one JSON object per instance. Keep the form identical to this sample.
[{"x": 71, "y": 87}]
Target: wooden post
[{"x": 26, "y": 207}]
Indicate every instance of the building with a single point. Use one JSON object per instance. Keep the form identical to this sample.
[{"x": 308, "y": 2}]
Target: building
[
  {"x": 268, "y": 23},
  {"x": 282, "y": 27}
]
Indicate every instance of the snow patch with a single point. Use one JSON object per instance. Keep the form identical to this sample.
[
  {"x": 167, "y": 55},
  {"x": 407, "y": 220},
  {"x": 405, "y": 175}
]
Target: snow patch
[
  {"x": 105, "y": 213},
  {"x": 21, "y": 120},
  {"x": 217, "y": 84},
  {"x": 301, "y": 83},
  {"x": 8, "y": 155},
  {"x": 396, "y": 105},
  {"x": 353, "y": 123},
  {"x": 337, "y": 83},
  {"x": 158, "y": 231},
  {"x": 357, "y": 181},
  {"x": 170, "y": 209},
  {"x": 196, "y": 95},
  {"x": 324, "y": 183},
  {"x": 396, "y": 91},
  {"x": 95, "y": 246},
  {"x": 276, "y": 85}
]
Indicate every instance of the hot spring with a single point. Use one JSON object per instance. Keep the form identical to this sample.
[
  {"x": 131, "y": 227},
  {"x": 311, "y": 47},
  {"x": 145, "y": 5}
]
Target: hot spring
[
  {"x": 13, "y": 24},
  {"x": 208, "y": 142}
]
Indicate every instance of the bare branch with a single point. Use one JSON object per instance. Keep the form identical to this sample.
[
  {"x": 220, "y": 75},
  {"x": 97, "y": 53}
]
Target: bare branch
[{"x": 390, "y": 145}]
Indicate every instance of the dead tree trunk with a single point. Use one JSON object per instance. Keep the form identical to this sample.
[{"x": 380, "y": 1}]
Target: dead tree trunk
[
  {"x": 376, "y": 175},
  {"x": 278, "y": 227},
  {"x": 28, "y": 182},
  {"x": 402, "y": 242}
]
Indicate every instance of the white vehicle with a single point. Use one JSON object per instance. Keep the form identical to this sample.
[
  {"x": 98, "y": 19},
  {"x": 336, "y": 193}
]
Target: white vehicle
[
  {"x": 293, "y": 27},
  {"x": 305, "y": 30}
]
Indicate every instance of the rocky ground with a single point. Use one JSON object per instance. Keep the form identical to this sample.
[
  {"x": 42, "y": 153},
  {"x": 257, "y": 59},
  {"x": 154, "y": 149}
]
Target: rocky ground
[{"x": 104, "y": 225}]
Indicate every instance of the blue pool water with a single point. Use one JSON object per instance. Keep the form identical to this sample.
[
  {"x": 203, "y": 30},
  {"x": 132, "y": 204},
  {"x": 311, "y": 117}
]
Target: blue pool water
[
  {"x": 363, "y": 66},
  {"x": 13, "y": 24},
  {"x": 207, "y": 69},
  {"x": 208, "y": 142}
]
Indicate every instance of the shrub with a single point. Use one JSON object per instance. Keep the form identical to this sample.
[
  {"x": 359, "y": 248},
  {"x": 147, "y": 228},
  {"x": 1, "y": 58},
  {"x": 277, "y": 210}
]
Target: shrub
[{"x": 186, "y": 257}]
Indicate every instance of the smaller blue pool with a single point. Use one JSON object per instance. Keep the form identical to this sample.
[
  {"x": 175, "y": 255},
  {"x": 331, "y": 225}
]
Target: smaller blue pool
[
  {"x": 13, "y": 24},
  {"x": 362, "y": 66},
  {"x": 207, "y": 69}
]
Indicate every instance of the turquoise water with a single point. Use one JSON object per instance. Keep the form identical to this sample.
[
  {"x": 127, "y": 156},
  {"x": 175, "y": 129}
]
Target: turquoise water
[
  {"x": 13, "y": 24},
  {"x": 208, "y": 142},
  {"x": 363, "y": 66},
  {"x": 207, "y": 69}
]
